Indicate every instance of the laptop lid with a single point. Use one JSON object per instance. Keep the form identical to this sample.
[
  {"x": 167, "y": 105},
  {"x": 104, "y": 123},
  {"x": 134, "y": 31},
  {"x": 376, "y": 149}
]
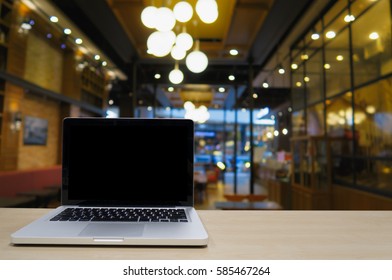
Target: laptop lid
[{"x": 127, "y": 162}]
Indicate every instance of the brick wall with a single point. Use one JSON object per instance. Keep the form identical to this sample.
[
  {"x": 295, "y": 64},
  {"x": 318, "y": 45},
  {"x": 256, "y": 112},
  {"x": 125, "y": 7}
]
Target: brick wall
[
  {"x": 44, "y": 63},
  {"x": 34, "y": 156},
  {"x": 43, "y": 66}
]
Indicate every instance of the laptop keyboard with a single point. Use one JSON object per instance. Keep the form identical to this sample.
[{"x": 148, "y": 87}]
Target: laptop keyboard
[{"x": 121, "y": 215}]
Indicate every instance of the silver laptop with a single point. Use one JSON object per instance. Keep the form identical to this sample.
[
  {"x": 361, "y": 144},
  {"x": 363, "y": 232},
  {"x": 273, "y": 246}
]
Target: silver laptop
[{"x": 124, "y": 182}]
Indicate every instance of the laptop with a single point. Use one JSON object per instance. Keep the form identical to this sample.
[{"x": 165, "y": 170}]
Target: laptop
[{"x": 124, "y": 182}]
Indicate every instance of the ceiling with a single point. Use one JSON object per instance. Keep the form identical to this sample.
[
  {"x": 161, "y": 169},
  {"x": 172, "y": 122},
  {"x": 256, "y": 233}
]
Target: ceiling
[{"x": 254, "y": 27}]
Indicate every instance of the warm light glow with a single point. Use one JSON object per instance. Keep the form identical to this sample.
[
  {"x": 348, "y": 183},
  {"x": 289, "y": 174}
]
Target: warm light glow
[
  {"x": 184, "y": 41},
  {"x": 255, "y": 95},
  {"x": 165, "y": 19},
  {"x": 54, "y": 19},
  {"x": 196, "y": 61},
  {"x": 160, "y": 43},
  {"x": 149, "y": 108},
  {"x": 67, "y": 31},
  {"x": 167, "y": 108},
  {"x": 269, "y": 135},
  {"x": 157, "y": 76},
  {"x": 188, "y": 105},
  {"x": 221, "y": 89},
  {"x": 339, "y": 58},
  {"x": 298, "y": 84},
  {"x": 149, "y": 16},
  {"x": 221, "y": 165},
  {"x": 373, "y": 36},
  {"x": 111, "y": 102},
  {"x": 370, "y": 109},
  {"x": 315, "y": 36},
  {"x": 306, "y": 79},
  {"x": 285, "y": 131},
  {"x": 276, "y": 133},
  {"x": 97, "y": 57},
  {"x": 178, "y": 53},
  {"x": 327, "y": 66},
  {"x": 176, "y": 76},
  {"x": 231, "y": 77},
  {"x": 304, "y": 56},
  {"x": 265, "y": 85},
  {"x": 247, "y": 164},
  {"x": 349, "y": 18},
  {"x": 207, "y": 10},
  {"x": 170, "y": 89},
  {"x": 78, "y": 41},
  {"x": 234, "y": 52},
  {"x": 281, "y": 71},
  {"x": 200, "y": 115},
  {"x": 330, "y": 34},
  {"x": 104, "y": 63},
  {"x": 183, "y": 11},
  {"x": 294, "y": 66}
]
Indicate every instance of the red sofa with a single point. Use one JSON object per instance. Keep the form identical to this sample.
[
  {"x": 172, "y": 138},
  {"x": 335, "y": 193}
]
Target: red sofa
[{"x": 15, "y": 182}]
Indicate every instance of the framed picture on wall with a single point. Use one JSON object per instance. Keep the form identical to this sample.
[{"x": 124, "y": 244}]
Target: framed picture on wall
[{"x": 35, "y": 131}]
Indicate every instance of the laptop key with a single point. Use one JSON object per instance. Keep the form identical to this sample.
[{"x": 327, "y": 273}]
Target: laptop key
[{"x": 121, "y": 215}]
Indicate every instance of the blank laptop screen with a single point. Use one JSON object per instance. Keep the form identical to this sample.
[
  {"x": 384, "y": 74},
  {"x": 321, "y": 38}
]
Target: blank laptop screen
[{"x": 127, "y": 162}]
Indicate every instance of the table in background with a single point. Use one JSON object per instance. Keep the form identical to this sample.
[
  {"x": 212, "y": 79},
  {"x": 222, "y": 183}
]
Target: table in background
[
  {"x": 236, "y": 235},
  {"x": 247, "y": 205}
]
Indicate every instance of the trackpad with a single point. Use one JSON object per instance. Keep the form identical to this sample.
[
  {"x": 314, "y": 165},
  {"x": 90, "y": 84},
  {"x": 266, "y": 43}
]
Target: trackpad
[{"x": 112, "y": 230}]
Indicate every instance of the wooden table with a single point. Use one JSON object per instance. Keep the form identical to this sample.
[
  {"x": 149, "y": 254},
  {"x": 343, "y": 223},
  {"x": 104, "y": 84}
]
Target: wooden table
[{"x": 236, "y": 235}]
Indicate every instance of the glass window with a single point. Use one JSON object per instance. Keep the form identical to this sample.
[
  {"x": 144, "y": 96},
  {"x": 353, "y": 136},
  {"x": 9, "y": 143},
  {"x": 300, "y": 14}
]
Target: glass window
[
  {"x": 334, "y": 12},
  {"x": 298, "y": 89},
  {"x": 373, "y": 119},
  {"x": 358, "y": 7},
  {"x": 337, "y": 64},
  {"x": 372, "y": 43},
  {"x": 339, "y": 115},
  {"x": 314, "y": 36},
  {"x": 315, "y": 119},
  {"x": 298, "y": 122},
  {"x": 374, "y": 174},
  {"x": 339, "y": 121},
  {"x": 313, "y": 78}
]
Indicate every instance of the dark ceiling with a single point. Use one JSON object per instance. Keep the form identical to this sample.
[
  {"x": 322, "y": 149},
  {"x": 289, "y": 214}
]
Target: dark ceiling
[{"x": 98, "y": 21}]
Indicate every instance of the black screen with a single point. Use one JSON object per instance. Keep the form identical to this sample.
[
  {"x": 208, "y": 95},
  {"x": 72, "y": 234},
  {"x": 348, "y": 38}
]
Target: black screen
[{"x": 128, "y": 161}]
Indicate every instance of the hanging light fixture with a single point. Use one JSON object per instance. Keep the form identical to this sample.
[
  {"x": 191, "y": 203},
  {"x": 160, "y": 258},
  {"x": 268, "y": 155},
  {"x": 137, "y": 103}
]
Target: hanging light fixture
[
  {"x": 165, "y": 19},
  {"x": 163, "y": 41},
  {"x": 207, "y": 10},
  {"x": 175, "y": 75},
  {"x": 160, "y": 43},
  {"x": 281, "y": 70},
  {"x": 178, "y": 53},
  {"x": 183, "y": 11},
  {"x": 149, "y": 16},
  {"x": 184, "y": 40},
  {"x": 196, "y": 61}
]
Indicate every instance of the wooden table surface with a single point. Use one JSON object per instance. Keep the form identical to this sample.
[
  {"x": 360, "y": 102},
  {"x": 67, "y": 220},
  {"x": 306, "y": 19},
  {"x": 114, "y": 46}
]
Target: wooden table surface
[{"x": 236, "y": 235}]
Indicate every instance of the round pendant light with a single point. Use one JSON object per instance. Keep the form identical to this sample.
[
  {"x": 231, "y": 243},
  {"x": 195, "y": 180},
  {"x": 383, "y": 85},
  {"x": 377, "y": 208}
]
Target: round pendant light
[
  {"x": 184, "y": 41},
  {"x": 183, "y": 11},
  {"x": 207, "y": 10},
  {"x": 178, "y": 53},
  {"x": 149, "y": 16},
  {"x": 175, "y": 75},
  {"x": 165, "y": 19},
  {"x": 196, "y": 61},
  {"x": 160, "y": 43}
]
